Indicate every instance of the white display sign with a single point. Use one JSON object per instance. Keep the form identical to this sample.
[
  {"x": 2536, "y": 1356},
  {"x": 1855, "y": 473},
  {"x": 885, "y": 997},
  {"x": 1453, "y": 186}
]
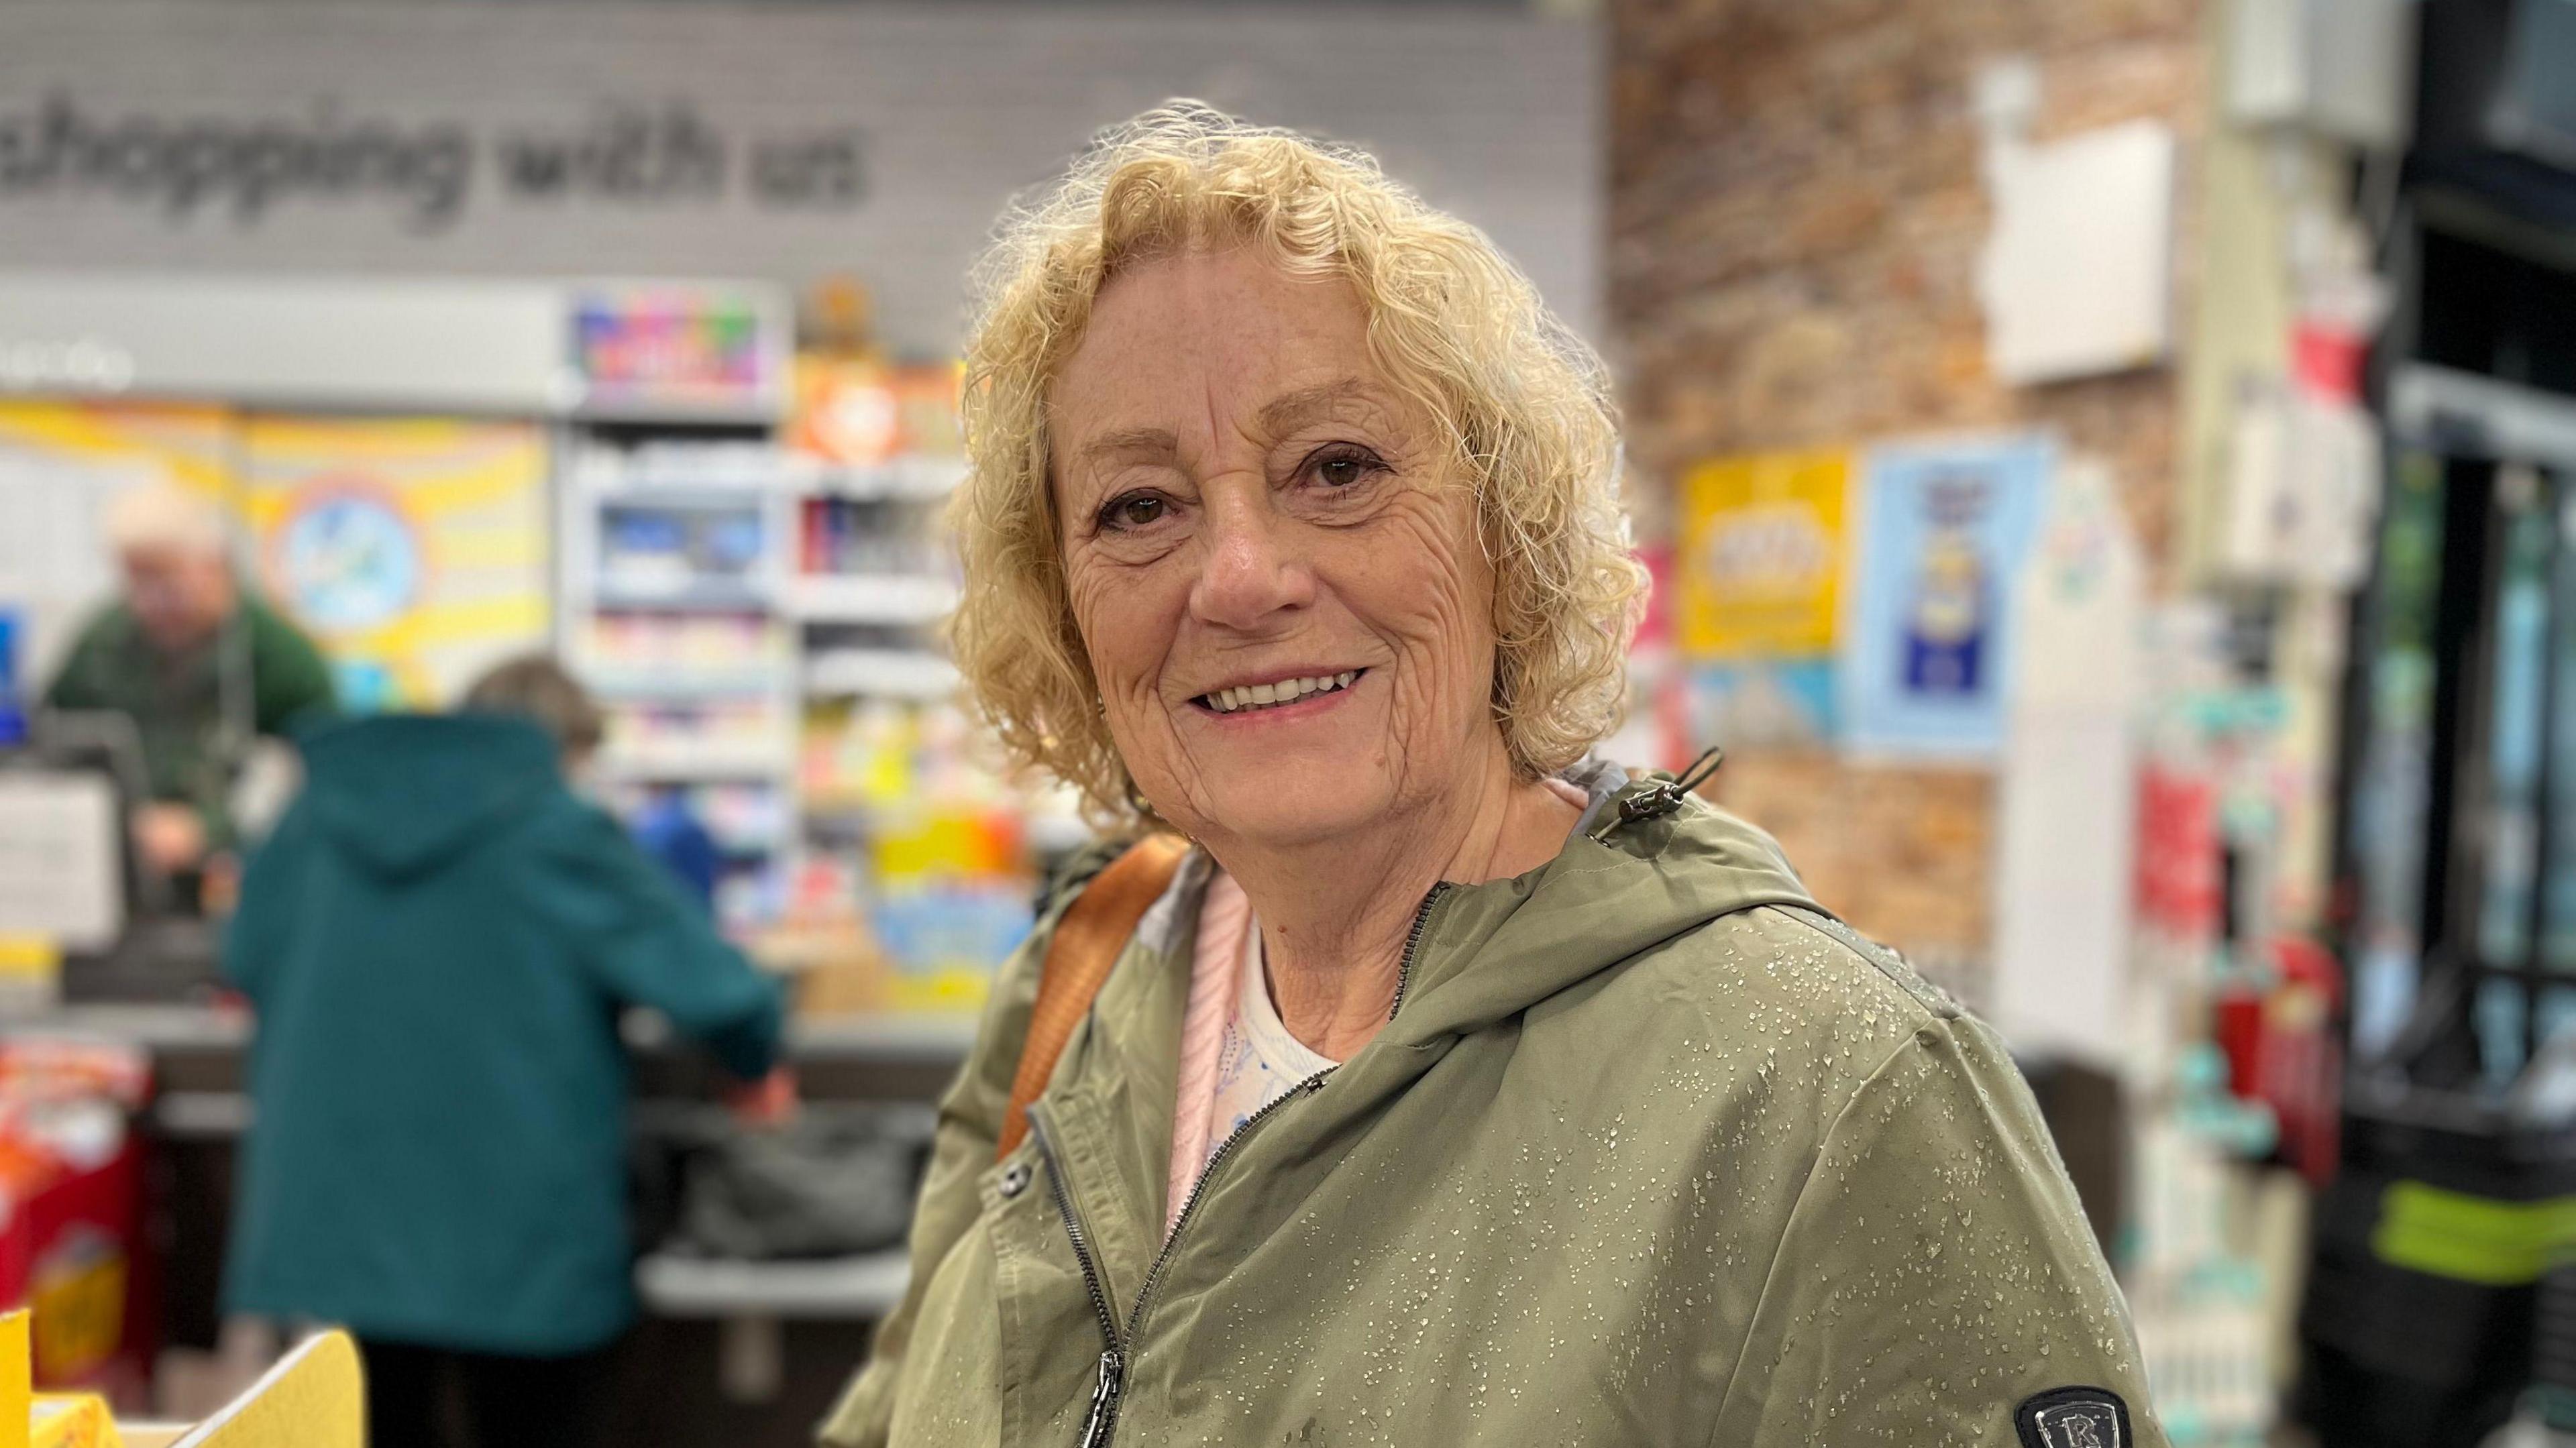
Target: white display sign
[
  {"x": 61, "y": 862},
  {"x": 2067, "y": 793},
  {"x": 2077, "y": 279}
]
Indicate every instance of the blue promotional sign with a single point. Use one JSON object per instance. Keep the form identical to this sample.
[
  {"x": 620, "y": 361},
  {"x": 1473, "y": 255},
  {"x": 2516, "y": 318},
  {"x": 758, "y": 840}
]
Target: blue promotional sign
[{"x": 1945, "y": 527}]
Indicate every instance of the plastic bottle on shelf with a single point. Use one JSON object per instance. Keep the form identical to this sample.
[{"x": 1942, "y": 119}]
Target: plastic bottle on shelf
[{"x": 13, "y": 712}]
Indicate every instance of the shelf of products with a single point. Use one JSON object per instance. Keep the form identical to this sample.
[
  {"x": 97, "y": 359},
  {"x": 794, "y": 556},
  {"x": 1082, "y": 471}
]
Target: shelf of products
[
  {"x": 879, "y": 672},
  {"x": 754, "y": 611},
  {"x": 687, "y": 738},
  {"x": 919, "y": 477},
  {"x": 743, "y": 818},
  {"x": 676, "y": 549},
  {"x": 870, "y": 598},
  {"x": 657, "y": 654},
  {"x": 672, "y": 545}
]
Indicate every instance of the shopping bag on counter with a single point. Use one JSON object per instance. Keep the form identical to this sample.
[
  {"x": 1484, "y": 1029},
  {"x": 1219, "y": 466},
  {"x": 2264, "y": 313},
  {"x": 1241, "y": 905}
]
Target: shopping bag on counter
[{"x": 836, "y": 1181}]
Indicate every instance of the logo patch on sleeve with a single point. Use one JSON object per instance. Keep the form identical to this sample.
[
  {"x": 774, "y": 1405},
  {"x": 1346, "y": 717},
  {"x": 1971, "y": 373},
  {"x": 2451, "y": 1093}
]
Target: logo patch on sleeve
[{"x": 2073, "y": 1418}]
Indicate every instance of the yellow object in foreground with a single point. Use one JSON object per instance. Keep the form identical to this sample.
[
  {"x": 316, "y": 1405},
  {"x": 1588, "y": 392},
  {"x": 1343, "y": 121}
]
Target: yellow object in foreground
[
  {"x": 17, "y": 1387},
  {"x": 72, "y": 1420},
  {"x": 314, "y": 1398},
  {"x": 29, "y": 1419}
]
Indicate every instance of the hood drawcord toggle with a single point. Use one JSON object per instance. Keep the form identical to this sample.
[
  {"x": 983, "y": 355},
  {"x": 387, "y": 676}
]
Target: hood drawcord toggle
[{"x": 1658, "y": 800}]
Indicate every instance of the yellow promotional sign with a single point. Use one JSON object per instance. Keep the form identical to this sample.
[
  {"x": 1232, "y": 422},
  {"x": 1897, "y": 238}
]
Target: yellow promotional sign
[
  {"x": 186, "y": 443},
  {"x": 414, "y": 549},
  {"x": 1760, "y": 567}
]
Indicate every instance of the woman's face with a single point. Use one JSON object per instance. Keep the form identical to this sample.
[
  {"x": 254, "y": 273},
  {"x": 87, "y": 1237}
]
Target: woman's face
[{"x": 1273, "y": 567}]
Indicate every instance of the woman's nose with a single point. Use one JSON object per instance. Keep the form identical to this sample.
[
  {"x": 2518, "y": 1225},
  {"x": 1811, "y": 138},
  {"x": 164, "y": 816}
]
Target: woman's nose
[{"x": 1251, "y": 568}]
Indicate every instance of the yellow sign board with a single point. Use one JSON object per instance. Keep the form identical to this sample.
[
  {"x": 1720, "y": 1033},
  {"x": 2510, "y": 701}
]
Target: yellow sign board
[
  {"x": 414, "y": 549},
  {"x": 1760, "y": 566}
]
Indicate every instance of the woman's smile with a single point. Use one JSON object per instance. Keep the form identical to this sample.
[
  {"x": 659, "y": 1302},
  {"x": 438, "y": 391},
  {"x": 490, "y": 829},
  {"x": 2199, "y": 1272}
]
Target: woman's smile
[{"x": 1279, "y": 696}]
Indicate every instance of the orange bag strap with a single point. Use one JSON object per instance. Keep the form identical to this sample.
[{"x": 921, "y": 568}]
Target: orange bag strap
[{"x": 1088, "y": 939}]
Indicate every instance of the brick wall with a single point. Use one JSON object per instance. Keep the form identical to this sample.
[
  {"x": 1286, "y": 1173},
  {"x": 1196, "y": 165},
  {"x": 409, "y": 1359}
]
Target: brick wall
[{"x": 1796, "y": 212}]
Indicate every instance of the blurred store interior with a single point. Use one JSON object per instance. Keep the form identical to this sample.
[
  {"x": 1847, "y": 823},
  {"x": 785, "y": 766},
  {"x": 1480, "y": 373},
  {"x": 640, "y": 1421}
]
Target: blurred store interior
[{"x": 2109, "y": 468}]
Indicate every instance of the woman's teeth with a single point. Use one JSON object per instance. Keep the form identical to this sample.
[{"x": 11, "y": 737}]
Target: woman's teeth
[{"x": 1286, "y": 691}]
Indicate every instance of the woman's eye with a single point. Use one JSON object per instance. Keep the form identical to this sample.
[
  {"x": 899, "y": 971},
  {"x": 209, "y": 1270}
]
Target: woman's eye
[
  {"x": 1136, "y": 510},
  {"x": 1343, "y": 468}
]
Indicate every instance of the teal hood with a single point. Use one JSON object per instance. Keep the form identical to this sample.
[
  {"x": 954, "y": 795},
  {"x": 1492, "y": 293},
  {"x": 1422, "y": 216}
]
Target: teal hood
[{"x": 404, "y": 795}]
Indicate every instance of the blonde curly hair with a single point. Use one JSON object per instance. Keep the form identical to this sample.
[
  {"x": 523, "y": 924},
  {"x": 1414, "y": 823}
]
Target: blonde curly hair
[{"x": 1524, "y": 405}]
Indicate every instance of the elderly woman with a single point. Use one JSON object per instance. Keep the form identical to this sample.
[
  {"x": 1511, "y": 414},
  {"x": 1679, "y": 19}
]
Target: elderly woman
[{"x": 1457, "y": 1088}]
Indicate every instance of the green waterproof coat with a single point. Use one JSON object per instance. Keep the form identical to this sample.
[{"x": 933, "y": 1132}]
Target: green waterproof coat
[{"x": 1652, "y": 1151}]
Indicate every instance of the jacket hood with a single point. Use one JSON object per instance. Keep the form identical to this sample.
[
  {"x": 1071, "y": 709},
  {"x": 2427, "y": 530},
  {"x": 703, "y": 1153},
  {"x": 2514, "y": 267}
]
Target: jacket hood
[
  {"x": 405, "y": 794},
  {"x": 1484, "y": 953},
  {"x": 1487, "y": 952}
]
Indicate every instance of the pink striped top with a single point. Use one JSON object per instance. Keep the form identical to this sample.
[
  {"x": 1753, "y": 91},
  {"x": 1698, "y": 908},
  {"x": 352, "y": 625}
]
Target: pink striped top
[{"x": 1225, "y": 919}]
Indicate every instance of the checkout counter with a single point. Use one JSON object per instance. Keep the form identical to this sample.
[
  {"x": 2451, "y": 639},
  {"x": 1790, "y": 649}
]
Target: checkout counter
[
  {"x": 738, "y": 1352},
  {"x": 734, "y": 1351}
]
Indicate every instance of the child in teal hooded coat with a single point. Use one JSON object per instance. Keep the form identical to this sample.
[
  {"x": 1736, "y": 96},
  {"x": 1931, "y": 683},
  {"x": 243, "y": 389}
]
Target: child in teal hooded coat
[{"x": 438, "y": 939}]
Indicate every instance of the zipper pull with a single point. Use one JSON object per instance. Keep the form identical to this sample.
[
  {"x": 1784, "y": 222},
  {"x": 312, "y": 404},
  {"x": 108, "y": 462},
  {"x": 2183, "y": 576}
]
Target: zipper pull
[
  {"x": 1104, "y": 1400},
  {"x": 1660, "y": 799}
]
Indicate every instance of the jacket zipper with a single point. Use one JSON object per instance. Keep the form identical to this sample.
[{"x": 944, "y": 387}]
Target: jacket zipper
[
  {"x": 1103, "y": 1419},
  {"x": 1102, "y": 1423},
  {"x": 1413, "y": 942}
]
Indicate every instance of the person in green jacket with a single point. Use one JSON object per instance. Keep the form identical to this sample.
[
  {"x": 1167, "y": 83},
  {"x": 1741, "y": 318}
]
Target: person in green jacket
[
  {"x": 438, "y": 939},
  {"x": 200, "y": 665},
  {"x": 1458, "y": 1089}
]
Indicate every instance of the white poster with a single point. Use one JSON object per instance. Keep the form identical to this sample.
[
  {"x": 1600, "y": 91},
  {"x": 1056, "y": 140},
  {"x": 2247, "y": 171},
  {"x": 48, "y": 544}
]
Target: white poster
[{"x": 61, "y": 862}]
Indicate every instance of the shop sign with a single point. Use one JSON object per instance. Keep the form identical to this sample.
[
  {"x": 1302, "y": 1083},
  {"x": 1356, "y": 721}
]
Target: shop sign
[{"x": 622, "y": 152}]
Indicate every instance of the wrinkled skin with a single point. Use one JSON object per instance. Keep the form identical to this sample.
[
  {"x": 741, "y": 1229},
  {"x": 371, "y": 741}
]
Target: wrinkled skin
[{"x": 1243, "y": 496}]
